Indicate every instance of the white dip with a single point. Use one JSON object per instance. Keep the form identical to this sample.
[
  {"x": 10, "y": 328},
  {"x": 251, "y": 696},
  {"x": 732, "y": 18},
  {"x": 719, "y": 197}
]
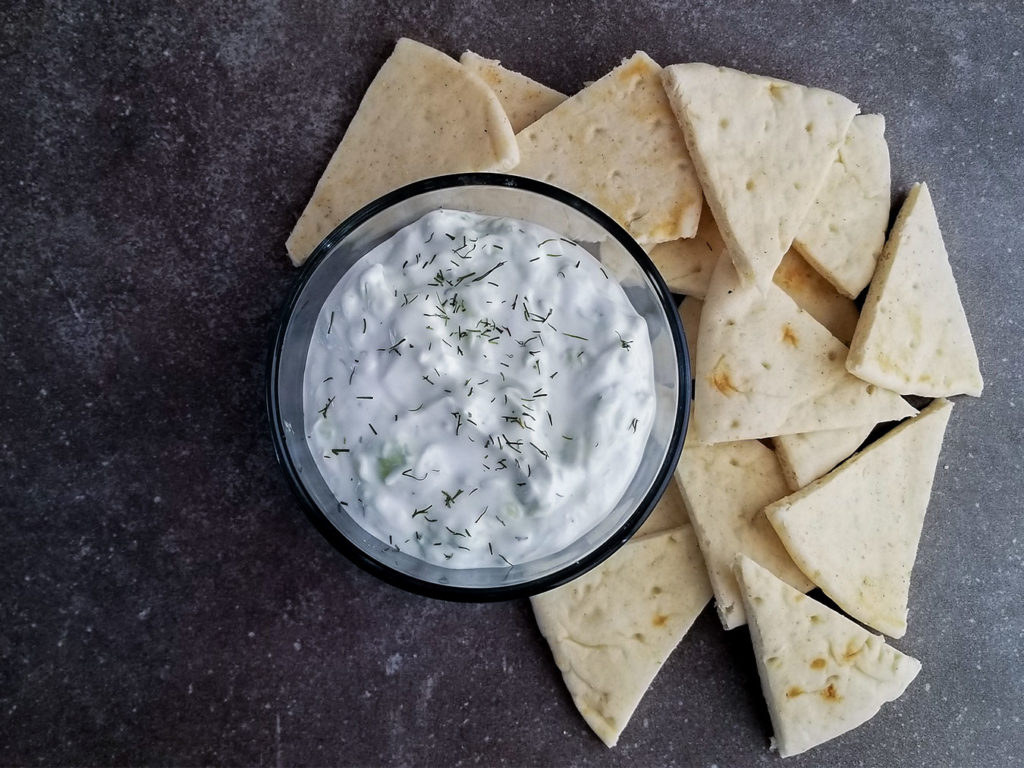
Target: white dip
[{"x": 478, "y": 392}]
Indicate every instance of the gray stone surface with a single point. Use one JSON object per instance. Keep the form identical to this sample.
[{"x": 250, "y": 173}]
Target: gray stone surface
[{"x": 162, "y": 598}]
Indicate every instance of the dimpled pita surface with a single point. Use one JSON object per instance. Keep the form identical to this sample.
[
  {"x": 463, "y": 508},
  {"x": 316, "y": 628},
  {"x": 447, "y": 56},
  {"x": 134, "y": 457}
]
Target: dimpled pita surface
[
  {"x": 617, "y": 144},
  {"x": 164, "y": 599}
]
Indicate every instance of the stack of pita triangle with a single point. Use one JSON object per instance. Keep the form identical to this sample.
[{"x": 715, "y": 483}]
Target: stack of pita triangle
[
  {"x": 765, "y": 367},
  {"x": 855, "y": 531},
  {"x": 770, "y": 361},
  {"x": 762, "y": 148},
  {"x": 766, "y": 204},
  {"x": 726, "y": 488},
  {"x": 423, "y": 115}
]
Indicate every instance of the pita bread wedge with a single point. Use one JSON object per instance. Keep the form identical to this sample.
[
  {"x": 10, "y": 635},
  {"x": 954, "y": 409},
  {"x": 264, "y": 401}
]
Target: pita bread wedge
[
  {"x": 611, "y": 630},
  {"x": 762, "y": 148},
  {"x": 913, "y": 335},
  {"x": 855, "y": 531},
  {"x": 423, "y": 115},
  {"x": 689, "y": 313},
  {"x": 668, "y": 514},
  {"x": 806, "y": 456},
  {"x": 725, "y": 488},
  {"x": 821, "y": 674},
  {"x": 765, "y": 367},
  {"x": 686, "y": 264},
  {"x": 524, "y": 100},
  {"x": 617, "y": 144},
  {"x": 816, "y": 296},
  {"x": 844, "y": 231}
]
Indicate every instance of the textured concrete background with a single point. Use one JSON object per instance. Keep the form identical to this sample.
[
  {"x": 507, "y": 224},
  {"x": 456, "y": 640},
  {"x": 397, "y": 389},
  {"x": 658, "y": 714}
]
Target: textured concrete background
[{"x": 162, "y": 598}]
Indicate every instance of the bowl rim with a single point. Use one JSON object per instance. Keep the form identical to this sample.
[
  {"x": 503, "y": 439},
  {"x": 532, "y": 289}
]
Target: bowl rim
[{"x": 573, "y": 569}]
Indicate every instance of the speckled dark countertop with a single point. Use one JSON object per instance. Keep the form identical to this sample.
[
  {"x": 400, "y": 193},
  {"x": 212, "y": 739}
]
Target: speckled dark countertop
[{"x": 163, "y": 600}]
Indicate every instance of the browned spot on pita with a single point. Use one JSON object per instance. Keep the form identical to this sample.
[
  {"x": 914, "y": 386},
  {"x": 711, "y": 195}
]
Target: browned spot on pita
[
  {"x": 490, "y": 76},
  {"x": 721, "y": 380},
  {"x": 793, "y": 692},
  {"x": 789, "y": 335},
  {"x": 851, "y": 652},
  {"x": 636, "y": 68},
  {"x": 659, "y": 620},
  {"x": 818, "y": 663},
  {"x": 829, "y": 693}
]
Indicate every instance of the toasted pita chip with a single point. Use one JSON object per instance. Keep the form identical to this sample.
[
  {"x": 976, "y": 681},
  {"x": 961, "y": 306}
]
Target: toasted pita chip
[
  {"x": 617, "y": 144},
  {"x": 807, "y": 456},
  {"x": 686, "y": 264},
  {"x": 821, "y": 674},
  {"x": 611, "y": 630},
  {"x": 524, "y": 100},
  {"x": 855, "y": 531},
  {"x": 816, "y": 296},
  {"x": 844, "y": 231},
  {"x": 913, "y": 335},
  {"x": 725, "y": 488},
  {"x": 423, "y": 115},
  {"x": 765, "y": 367},
  {"x": 668, "y": 514},
  {"x": 689, "y": 313},
  {"x": 762, "y": 148}
]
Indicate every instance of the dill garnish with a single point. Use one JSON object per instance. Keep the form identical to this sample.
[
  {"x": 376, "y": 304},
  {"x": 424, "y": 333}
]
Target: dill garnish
[
  {"x": 449, "y": 498},
  {"x": 323, "y": 411}
]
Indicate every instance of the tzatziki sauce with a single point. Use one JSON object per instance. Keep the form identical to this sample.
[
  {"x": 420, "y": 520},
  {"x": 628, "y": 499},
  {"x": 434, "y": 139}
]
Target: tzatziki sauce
[{"x": 478, "y": 391}]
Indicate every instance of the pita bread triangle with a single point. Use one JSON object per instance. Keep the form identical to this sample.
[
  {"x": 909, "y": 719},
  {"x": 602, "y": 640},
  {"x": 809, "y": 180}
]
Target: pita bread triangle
[
  {"x": 815, "y": 294},
  {"x": 821, "y": 674},
  {"x": 617, "y": 144},
  {"x": 765, "y": 367},
  {"x": 913, "y": 335},
  {"x": 524, "y": 100},
  {"x": 762, "y": 148},
  {"x": 844, "y": 231},
  {"x": 612, "y": 629},
  {"x": 726, "y": 488},
  {"x": 423, "y": 115},
  {"x": 686, "y": 264},
  {"x": 668, "y": 513},
  {"x": 689, "y": 313},
  {"x": 806, "y": 456},
  {"x": 855, "y": 531}
]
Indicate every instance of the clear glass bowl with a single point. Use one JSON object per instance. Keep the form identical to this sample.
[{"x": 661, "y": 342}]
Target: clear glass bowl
[{"x": 496, "y": 195}]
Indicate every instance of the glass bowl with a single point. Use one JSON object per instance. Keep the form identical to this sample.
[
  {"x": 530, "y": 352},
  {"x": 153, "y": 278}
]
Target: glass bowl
[{"x": 495, "y": 195}]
